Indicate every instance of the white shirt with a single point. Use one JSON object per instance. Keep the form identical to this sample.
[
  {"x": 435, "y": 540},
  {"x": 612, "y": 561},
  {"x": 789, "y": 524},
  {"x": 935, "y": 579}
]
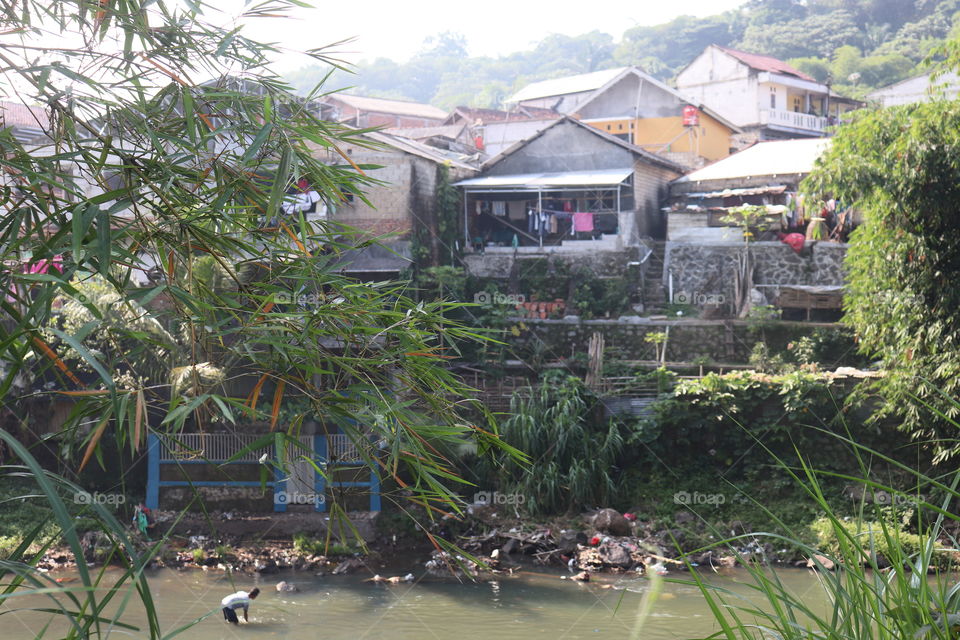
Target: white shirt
[{"x": 240, "y": 599}]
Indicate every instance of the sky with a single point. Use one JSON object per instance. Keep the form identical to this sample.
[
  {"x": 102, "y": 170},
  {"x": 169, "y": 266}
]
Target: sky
[{"x": 395, "y": 29}]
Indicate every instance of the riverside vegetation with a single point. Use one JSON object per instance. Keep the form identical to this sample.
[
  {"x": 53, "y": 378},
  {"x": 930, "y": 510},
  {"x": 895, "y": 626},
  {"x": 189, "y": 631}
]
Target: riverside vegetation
[{"x": 173, "y": 354}]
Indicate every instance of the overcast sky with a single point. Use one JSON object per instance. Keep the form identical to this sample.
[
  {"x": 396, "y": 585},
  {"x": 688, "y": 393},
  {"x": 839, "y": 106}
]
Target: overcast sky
[{"x": 396, "y": 29}]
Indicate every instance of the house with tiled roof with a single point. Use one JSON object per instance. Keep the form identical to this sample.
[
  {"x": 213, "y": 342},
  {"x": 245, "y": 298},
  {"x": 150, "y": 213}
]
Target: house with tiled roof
[
  {"x": 363, "y": 112},
  {"x": 632, "y": 105},
  {"x": 29, "y": 124},
  {"x": 495, "y": 130},
  {"x": 768, "y": 98},
  {"x": 401, "y": 204}
]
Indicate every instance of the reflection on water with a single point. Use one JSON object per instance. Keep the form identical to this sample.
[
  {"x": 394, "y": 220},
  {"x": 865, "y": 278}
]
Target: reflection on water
[{"x": 530, "y": 604}]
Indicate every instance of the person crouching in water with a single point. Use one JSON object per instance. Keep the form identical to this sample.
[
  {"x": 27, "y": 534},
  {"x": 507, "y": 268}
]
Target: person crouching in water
[{"x": 238, "y": 600}]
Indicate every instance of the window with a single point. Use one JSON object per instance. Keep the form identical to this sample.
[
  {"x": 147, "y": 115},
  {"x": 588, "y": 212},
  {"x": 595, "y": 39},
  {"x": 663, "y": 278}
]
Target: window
[{"x": 773, "y": 98}]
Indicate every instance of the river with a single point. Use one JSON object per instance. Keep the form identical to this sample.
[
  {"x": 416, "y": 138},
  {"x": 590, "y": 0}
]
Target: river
[{"x": 531, "y": 604}]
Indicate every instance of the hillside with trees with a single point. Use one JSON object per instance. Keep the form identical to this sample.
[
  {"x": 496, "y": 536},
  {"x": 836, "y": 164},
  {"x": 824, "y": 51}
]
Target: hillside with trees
[{"x": 858, "y": 45}]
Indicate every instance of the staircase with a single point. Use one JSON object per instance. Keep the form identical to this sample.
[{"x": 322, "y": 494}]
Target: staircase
[{"x": 654, "y": 291}]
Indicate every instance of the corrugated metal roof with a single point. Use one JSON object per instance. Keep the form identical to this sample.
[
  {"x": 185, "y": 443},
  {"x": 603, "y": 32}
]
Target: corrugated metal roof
[
  {"x": 439, "y": 156},
  {"x": 451, "y": 131},
  {"x": 608, "y": 177},
  {"x": 472, "y": 114},
  {"x": 765, "y": 63},
  {"x": 398, "y": 107},
  {"x": 567, "y": 85},
  {"x": 778, "y": 157},
  {"x": 730, "y": 193}
]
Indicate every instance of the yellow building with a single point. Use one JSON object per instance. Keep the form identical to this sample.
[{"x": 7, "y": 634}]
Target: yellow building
[
  {"x": 708, "y": 139},
  {"x": 638, "y": 108}
]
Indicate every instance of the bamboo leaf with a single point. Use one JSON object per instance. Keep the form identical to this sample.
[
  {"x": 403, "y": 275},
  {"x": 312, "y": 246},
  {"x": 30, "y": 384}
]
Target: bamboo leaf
[{"x": 94, "y": 441}]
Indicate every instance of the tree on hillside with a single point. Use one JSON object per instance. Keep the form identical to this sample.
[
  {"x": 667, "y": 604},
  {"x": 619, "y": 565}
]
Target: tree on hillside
[
  {"x": 664, "y": 49},
  {"x": 763, "y": 12},
  {"x": 916, "y": 39},
  {"x": 566, "y": 55},
  {"x": 901, "y": 168},
  {"x": 816, "y": 35}
]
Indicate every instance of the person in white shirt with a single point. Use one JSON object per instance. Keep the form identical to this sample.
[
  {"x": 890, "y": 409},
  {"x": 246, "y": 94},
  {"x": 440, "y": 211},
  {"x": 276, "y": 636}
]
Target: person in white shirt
[{"x": 238, "y": 600}]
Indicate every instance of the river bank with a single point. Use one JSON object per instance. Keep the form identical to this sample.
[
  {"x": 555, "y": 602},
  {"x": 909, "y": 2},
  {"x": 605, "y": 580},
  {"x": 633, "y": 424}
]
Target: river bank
[{"x": 604, "y": 541}]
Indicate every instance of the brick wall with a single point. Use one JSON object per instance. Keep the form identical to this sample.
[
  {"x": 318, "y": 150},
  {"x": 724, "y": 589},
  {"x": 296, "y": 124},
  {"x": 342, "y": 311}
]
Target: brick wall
[{"x": 650, "y": 184}]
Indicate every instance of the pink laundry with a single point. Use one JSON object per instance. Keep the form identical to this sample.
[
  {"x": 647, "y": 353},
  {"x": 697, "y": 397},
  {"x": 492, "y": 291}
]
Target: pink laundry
[
  {"x": 43, "y": 266},
  {"x": 583, "y": 221}
]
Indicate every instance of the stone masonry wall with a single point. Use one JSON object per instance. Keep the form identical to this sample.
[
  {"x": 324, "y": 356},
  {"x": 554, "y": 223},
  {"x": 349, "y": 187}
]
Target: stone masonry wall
[
  {"x": 714, "y": 341},
  {"x": 705, "y": 270},
  {"x": 612, "y": 264}
]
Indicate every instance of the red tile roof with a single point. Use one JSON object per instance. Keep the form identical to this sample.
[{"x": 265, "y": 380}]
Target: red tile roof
[
  {"x": 13, "y": 114},
  {"x": 765, "y": 63}
]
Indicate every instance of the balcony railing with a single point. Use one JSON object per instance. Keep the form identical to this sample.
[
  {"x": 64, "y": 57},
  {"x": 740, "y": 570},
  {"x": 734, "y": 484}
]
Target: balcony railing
[{"x": 793, "y": 119}]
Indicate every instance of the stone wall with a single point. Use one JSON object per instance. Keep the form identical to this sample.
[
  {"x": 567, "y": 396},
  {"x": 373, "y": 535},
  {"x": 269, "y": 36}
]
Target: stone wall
[
  {"x": 714, "y": 341},
  {"x": 606, "y": 264},
  {"x": 707, "y": 270}
]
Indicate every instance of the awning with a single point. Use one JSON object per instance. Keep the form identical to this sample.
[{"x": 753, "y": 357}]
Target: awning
[
  {"x": 730, "y": 193},
  {"x": 541, "y": 181}
]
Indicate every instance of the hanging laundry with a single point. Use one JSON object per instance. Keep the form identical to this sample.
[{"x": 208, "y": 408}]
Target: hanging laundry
[
  {"x": 298, "y": 201},
  {"x": 43, "y": 266},
  {"x": 794, "y": 240},
  {"x": 583, "y": 221}
]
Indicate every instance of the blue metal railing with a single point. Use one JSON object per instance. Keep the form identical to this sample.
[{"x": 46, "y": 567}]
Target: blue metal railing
[{"x": 220, "y": 448}]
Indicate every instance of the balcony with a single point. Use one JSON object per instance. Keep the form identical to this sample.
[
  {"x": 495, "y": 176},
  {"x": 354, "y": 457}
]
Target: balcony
[{"x": 793, "y": 120}]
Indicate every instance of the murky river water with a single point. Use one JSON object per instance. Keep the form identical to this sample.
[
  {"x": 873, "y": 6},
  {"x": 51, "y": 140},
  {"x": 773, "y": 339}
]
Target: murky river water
[{"x": 532, "y": 604}]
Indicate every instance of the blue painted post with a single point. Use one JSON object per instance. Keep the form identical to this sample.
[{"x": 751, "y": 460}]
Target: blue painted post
[
  {"x": 280, "y": 495},
  {"x": 374, "y": 491},
  {"x": 319, "y": 481},
  {"x": 153, "y": 472}
]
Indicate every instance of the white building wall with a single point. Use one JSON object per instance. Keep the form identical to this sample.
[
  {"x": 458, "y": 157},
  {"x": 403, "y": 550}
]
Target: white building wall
[
  {"x": 917, "y": 90},
  {"x": 498, "y": 136},
  {"x": 725, "y": 85}
]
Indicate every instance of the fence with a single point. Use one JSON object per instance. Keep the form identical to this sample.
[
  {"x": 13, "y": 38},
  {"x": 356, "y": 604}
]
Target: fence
[{"x": 310, "y": 465}]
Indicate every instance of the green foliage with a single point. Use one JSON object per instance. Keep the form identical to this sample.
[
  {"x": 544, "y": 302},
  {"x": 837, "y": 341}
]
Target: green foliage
[
  {"x": 434, "y": 240},
  {"x": 307, "y": 545},
  {"x": 724, "y": 413},
  {"x": 748, "y": 217},
  {"x": 574, "y": 452},
  {"x": 663, "y": 49},
  {"x": 888, "y": 538},
  {"x": 815, "y": 35},
  {"x": 443, "y": 283},
  {"x": 901, "y": 167},
  {"x": 880, "y": 588}
]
